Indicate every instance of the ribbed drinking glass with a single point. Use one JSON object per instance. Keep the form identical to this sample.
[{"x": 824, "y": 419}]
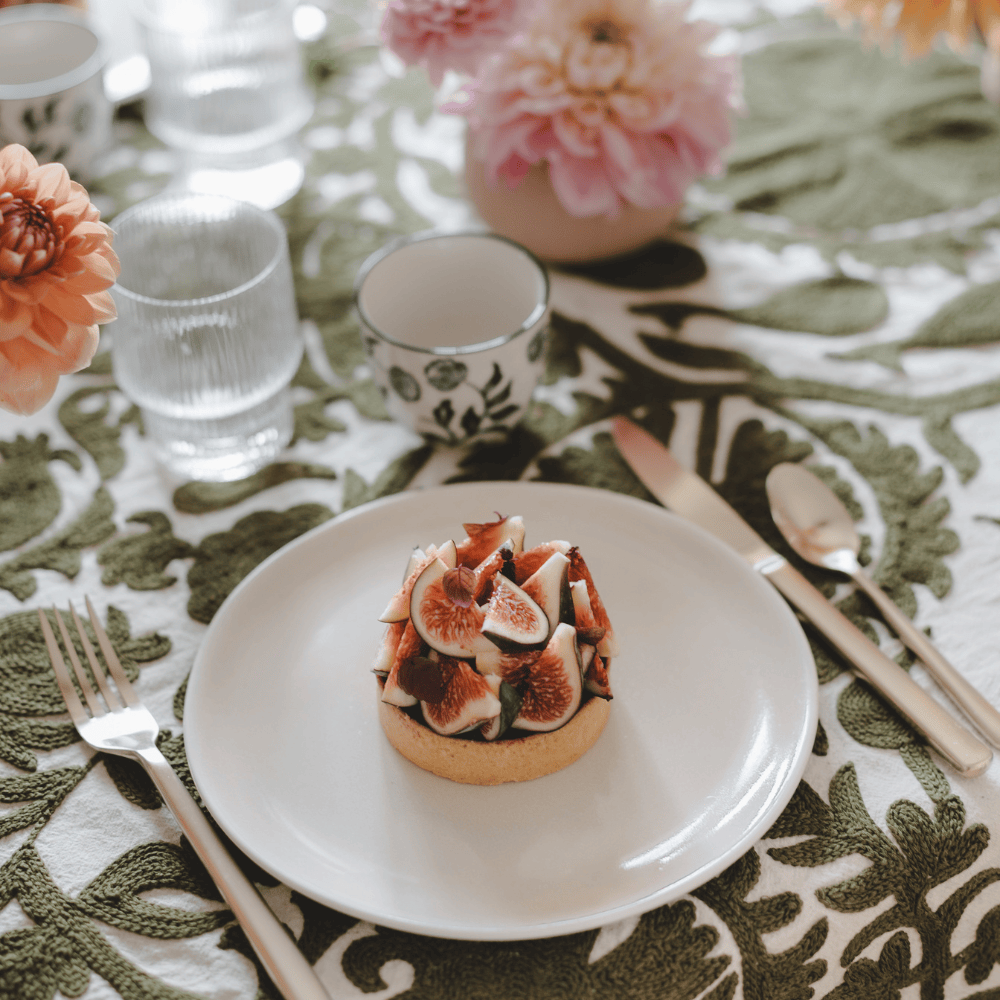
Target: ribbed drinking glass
[{"x": 207, "y": 337}]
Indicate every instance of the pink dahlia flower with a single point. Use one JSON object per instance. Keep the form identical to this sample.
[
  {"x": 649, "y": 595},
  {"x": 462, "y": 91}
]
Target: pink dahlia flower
[
  {"x": 56, "y": 266},
  {"x": 447, "y": 34},
  {"x": 618, "y": 97}
]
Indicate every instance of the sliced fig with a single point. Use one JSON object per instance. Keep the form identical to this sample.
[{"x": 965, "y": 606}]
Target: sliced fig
[
  {"x": 587, "y": 629},
  {"x": 485, "y": 538},
  {"x": 398, "y": 607},
  {"x": 415, "y": 558},
  {"x": 513, "y": 620},
  {"x": 387, "y": 649},
  {"x": 425, "y": 677},
  {"x": 552, "y": 691},
  {"x": 596, "y": 679},
  {"x": 510, "y": 705},
  {"x": 467, "y": 704},
  {"x": 511, "y": 667},
  {"x": 548, "y": 587},
  {"x": 530, "y": 560},
  {"x": 410, "y": 645},
  {"x": 608, "y": 644},
  {"x": 445, "y": 626}
]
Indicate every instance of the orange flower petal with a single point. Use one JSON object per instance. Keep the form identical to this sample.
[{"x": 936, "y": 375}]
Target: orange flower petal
[
  {"x": 27, "y": 383},
  {"x": 16, "y": 163},
  {"x": 53, "y": 182},
  {"x": 15, "y": 317},
  {"x": 70, "y": 307},
  {"x": 30, "y": 291}
]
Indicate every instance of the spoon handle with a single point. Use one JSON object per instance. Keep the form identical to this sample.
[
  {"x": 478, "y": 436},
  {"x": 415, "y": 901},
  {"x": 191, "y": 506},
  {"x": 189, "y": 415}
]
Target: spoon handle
[{"x": 968, "y": 699}]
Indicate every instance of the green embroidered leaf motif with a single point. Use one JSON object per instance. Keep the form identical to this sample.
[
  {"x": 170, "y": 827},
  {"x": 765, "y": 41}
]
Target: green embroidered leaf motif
[
  {"x": 18, "y": 737},
  {"x": 831, "y": 307},
  {"x": 666, "y": 947},
  {"x": 882, "y": 980},
  {"x": 201, "y": 498},
  {"x": 29, "y": 498},
  {"x": 100, "y": 364},
  {"x": 223, "y": 559},
  {"x": 871, "y": 721},
  {"x": 91, "y": 430},
  {"x": 984, "y": 952},
  {"x": 968, "y": 320},
  {"x": 41, "y": 792},
  {"x": 602, "y": 466},
  {"x": 787, "y": 975},
  {"x": 662, "y": 264},
  {"x": 140, "y": 560},
  {"x": 941, "y": 436},
  {"x": 394, "y": 478},
  {"x": 312, "y": 423},
  {"x": 64, "y": 947},
  {"x": 60, "y": 553},
  {"x": 806, "y": 813},
  {"x": 132, "y": 782},
  {"x": 114, "y": 897}
]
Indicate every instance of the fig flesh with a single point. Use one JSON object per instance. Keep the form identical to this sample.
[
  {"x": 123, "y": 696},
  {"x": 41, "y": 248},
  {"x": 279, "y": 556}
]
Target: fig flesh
[
  {"x": 530, "y": 560},
  {"x": 485, "y": 538},
  {"x": 513, "y": 620},
  {"x": 511, "y": 667},
  {"x": 608, "y": 645},
  {"x": 553, "y": 689},
  {"x": 398, "y": 608},
  {"x": 596, "y": 679},
  {"x": 410, "y": 645},
  {"x": 468, "y": 702},
  {"x": 510, "y": 705},
  {"x": 387, "y": 648},
  {"x": 548, "y": 587},
  {"x": 445, "y": 626}
]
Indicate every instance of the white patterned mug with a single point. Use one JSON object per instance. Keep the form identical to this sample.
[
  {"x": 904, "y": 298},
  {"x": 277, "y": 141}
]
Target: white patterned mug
[
  {"x": 454, "y": 326},
  {"x": 52, "y": 97}
]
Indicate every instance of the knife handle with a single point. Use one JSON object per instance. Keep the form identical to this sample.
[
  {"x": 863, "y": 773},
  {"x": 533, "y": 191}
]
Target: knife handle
[{"x": 956, "y": 744}]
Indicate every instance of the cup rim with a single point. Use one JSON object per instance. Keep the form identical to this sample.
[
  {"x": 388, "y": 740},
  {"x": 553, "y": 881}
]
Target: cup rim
[
  {"x": 532, "y": 320},
  {"x": 265, "y": 272},
  {"x": 92, "y": 65}
]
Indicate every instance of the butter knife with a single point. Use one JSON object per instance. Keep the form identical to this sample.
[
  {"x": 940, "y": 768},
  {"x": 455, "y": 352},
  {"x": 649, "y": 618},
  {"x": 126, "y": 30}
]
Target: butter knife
[{"x": 689, "y": 495}]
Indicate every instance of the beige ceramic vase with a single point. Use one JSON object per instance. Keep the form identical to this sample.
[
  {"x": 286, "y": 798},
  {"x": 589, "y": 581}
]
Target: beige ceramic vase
[{"x": 532, "y": 215}]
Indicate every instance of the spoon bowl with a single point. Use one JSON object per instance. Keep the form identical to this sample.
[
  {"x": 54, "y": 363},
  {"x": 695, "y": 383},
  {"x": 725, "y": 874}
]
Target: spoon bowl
[{"x": 819, "y": 528}]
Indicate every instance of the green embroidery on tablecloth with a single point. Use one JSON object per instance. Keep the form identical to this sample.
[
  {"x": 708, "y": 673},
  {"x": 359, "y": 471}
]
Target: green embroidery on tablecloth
[
  {"x": 100, "y": 364},
  {"x": 821, "y": 744},
  {"x": 140, "y": 560},
  {"x": 28, "y": 689},
  {"x": 665, "y": 958},
  {"x": 223, "y": 559},
  {"x": 61, "y": 552},
  {"x": 313, "y": 423},
  {"x": 64, "y": 948},
  {"x": 786, "y": 975},
  {"x": 968, "y": 320},
  {"x": 663, "y": 264},
  {"x": 200, "y": 498},
  {"x": 918, "y": 139},
  {"x": 91, "y": 429},
  {"x": 919, "y": 852},
  {"x": 394, "y": 478},
  {"x": 29, "y": 497}
]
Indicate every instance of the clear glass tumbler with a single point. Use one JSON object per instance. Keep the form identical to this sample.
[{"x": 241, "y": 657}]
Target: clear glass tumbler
[
  {"x": 207, "y": 337},
  {"x": 228, "y": 91}
]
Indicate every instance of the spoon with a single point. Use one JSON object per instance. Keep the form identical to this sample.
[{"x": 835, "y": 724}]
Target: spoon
[{"x": 819, "y": 528}]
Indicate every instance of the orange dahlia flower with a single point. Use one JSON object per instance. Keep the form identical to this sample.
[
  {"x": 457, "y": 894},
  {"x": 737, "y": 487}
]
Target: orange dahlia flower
[
  {"x": 919, "y": 22},
  {"x": 56, "y": 266}
]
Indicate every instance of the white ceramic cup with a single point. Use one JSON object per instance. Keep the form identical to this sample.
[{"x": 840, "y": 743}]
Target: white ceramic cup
[
  {"x": 454, "y": 326},
  {"x": 52, "y": 97}
]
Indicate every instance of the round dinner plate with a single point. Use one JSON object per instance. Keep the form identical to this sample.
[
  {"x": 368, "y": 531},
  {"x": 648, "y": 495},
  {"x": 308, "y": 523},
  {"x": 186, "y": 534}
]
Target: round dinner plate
[{"x": 712, "y": 722}]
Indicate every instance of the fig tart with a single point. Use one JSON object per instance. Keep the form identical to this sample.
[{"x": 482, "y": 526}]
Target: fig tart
[{"x": 494, "y": 662}]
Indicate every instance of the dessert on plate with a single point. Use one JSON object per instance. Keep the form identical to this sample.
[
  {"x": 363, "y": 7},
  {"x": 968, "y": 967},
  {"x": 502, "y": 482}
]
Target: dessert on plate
[{"x": 494, "y": 662}]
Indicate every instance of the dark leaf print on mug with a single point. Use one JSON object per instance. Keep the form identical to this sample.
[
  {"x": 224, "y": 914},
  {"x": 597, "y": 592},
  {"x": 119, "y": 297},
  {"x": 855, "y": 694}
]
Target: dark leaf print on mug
[
  {"x": 444, "y": 413},
  {"x": 404, "y": 384},
  {"x": 445, "y": 374},
  {"x": 536, "y": 346},
  {"x": 471, "y": 421}
]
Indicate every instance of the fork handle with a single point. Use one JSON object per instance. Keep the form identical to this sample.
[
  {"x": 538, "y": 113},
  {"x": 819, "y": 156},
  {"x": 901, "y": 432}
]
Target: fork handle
[{"x": 278, "y": 953}]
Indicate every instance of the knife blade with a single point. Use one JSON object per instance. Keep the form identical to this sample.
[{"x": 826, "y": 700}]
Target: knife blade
[{"x": 690, "y": 496}]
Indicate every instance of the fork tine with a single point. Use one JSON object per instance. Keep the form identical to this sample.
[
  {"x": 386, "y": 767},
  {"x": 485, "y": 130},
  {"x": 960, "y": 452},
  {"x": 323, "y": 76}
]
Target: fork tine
[
  {"x": 112, "y": 699},
  {"x": 111, "y": 658},
  {"x": 93, "y": 703},
  {"x": 76, "y": 710}
]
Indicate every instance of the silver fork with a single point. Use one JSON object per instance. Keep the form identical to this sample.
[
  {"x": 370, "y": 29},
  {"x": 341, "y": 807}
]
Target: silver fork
[{"x": 117, "y": 722}]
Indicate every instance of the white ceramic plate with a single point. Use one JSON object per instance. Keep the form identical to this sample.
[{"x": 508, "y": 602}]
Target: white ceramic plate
[{"x": 713, "y": 719}]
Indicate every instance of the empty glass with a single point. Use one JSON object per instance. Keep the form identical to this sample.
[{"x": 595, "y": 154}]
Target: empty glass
[
  {"x": 228, "y": 91},
  {"x": 207, "y": 337}
]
